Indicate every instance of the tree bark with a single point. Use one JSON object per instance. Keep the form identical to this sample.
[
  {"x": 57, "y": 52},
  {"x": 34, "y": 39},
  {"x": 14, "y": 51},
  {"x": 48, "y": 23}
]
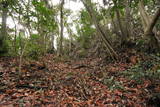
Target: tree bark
[
  {"x": 144, "y": 16},
  {"x": 152, "y": 23},
  {"x": 62, "y": 27},
  {"x": 4, "y": 25},
  {"x": 3, "y": 34},
  {"x": 128, "y": 16},
  {"x": 88, "y": 6},
  {"x": 148, "y": 25},
  {"x": 124, "y": 35}
]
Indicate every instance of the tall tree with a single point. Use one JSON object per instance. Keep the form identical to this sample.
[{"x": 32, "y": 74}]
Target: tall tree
[
  {"x": 117, "y": 11},
  {"x": 149, "y": 25},
  {"x": 91, "y": 11},
  {"x": 3, "y": 33},
  {"x": 128, "y": 17},
  {"x": 62, "y": 27}
]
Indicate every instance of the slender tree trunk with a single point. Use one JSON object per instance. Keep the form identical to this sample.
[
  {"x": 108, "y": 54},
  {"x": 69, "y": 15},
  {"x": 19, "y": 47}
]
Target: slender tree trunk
[
  {"x": 70, "y": 37},
  {"x": 15, "y": 40},
  {"x": 70, "y": 44},
  {"x": 61, "y": 32},
  {"x": 26, "y": 43},
  {"x": 52, "y": 43},
  {"x": 51, "y": 36},
  {"x": 15, "y": 36}
]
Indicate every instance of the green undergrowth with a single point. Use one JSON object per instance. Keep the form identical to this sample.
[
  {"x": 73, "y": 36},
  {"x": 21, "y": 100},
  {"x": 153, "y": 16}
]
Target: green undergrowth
[
  {"x": 112, "y": 83},
  {"x": 148, "y": 69}
]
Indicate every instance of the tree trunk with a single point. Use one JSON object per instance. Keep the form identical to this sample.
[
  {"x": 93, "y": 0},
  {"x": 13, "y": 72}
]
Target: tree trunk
[
  {"x": 152, "y": 23},
  {"x": 121, "y": 27},
  {"x": 128, "y": 25},
  {"x": 148, "y": 25},
  {"x": 115, "y": 28},
  {"x": 52, "y": 42},
  {"x": 123, "y": 34},
  {"x": 144, "y": 16},
  {"x": 3, "y": 34},
  {"x": 88, "y": 6},
  {"x": 61, "y": 32},
  {"x": 70, "y": 37},
  {"x": 26, "y": 43},
  {"x": 15, "y": 40}
]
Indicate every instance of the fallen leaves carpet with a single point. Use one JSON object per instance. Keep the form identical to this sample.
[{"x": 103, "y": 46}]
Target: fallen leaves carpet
[{"x": 84, "y": 83}]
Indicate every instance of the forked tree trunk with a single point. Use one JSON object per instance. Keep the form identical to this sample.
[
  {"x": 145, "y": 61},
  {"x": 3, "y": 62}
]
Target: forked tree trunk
[
  {"x": 152, "y": 23},
  {"x": 148, "y": 25}
]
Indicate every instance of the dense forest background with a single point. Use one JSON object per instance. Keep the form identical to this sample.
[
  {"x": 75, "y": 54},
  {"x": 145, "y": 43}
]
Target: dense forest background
[
  {"x": 97, "y": 29},
  {"x": 106, "y": 41}
]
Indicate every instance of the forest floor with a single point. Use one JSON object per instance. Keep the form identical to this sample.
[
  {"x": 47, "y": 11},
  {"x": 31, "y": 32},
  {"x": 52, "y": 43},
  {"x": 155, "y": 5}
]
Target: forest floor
[{"x": 84, "y": 83}]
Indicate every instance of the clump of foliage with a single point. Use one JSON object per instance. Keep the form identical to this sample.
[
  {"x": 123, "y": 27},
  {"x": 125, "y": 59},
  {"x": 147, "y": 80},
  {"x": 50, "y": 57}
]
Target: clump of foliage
[
  {"x": 112, "y": 83},
  {"x": 144, "y": 70}
]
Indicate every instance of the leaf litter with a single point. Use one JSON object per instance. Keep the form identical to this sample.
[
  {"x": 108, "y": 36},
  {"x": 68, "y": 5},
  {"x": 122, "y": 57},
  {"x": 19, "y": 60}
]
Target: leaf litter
[{"x": 84, "y": 83}]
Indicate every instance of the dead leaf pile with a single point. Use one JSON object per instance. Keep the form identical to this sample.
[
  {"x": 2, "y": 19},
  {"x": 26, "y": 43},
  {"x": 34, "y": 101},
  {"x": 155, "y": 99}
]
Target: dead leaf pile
[{"x": 83, "y": 83}]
